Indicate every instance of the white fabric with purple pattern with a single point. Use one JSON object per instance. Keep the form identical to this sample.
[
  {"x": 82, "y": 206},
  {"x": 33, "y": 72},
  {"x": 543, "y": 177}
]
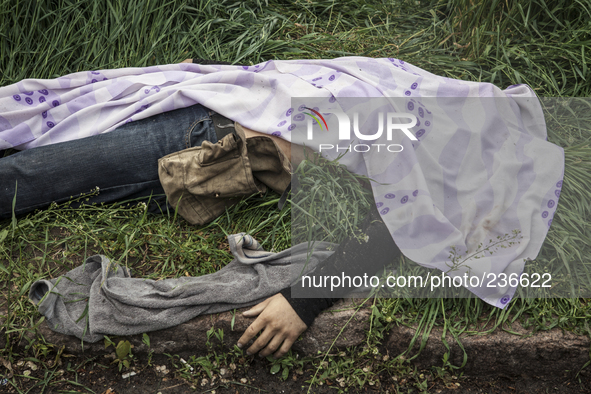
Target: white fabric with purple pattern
[{"x": 502, "y": 178}]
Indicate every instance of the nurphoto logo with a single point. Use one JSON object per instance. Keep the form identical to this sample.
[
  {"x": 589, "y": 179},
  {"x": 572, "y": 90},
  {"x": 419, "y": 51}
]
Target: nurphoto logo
[{"x": 394, "y": 121}]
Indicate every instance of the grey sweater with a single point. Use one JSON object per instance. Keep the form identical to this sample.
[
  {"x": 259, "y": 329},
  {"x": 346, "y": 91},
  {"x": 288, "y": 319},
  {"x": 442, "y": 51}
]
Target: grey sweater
[{"x": 101, "y": 298}]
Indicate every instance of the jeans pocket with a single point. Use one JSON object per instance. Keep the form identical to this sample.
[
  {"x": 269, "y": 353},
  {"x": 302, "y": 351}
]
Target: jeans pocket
[{"x": 200, "y": 130}]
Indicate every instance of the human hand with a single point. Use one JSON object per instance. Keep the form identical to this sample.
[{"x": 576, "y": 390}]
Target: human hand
[{"x": 281, "y": 325}]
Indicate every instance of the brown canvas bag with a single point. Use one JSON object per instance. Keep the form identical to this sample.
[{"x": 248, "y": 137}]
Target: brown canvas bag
[{"x": 201, "y": 182}]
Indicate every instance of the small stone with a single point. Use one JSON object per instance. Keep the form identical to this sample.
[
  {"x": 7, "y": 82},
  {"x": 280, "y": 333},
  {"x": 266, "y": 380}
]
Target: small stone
[{"x": 161, "y": 369}]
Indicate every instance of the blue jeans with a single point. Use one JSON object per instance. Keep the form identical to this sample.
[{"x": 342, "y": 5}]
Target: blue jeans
[{"x": 123, "y": 163}]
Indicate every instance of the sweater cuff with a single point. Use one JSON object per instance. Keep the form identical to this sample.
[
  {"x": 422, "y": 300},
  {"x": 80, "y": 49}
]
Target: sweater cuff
[{"x": 307, "y": 308}]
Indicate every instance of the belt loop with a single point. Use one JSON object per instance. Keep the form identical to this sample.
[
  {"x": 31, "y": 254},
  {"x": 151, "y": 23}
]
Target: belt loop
[{"x": 223, "y": 126}]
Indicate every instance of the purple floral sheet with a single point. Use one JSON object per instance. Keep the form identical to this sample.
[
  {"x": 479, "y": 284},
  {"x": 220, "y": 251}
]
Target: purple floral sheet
[{"x": 463, "y": 182}]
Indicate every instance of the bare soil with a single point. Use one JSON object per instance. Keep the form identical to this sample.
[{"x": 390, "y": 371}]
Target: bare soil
[{"x": 76, "y": 374}]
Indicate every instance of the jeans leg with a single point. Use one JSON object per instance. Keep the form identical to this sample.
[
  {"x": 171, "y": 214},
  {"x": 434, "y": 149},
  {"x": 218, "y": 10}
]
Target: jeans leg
[{"x": 123, "y": 163}]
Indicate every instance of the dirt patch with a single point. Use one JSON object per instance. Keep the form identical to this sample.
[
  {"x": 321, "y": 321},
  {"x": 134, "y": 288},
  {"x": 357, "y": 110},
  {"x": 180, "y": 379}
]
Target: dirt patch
[
  {"x": 501, "y": 353},
  {"x": 75, "y": 374},
  {"x": 497, "y": 363}
]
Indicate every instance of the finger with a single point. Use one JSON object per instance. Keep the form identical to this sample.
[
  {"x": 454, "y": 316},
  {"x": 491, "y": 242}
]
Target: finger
[
  {"x": 273, "y": 345},
  {"x": 251, "y": 331},
  {"x": 257, "y": 309},
  {"x": 287, "y": 344},
  {"x": 261, "y": 341}
]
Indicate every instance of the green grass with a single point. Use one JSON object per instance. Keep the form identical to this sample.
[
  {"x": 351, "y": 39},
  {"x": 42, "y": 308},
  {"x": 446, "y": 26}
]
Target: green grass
[{"x": 542, "y": 43}]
